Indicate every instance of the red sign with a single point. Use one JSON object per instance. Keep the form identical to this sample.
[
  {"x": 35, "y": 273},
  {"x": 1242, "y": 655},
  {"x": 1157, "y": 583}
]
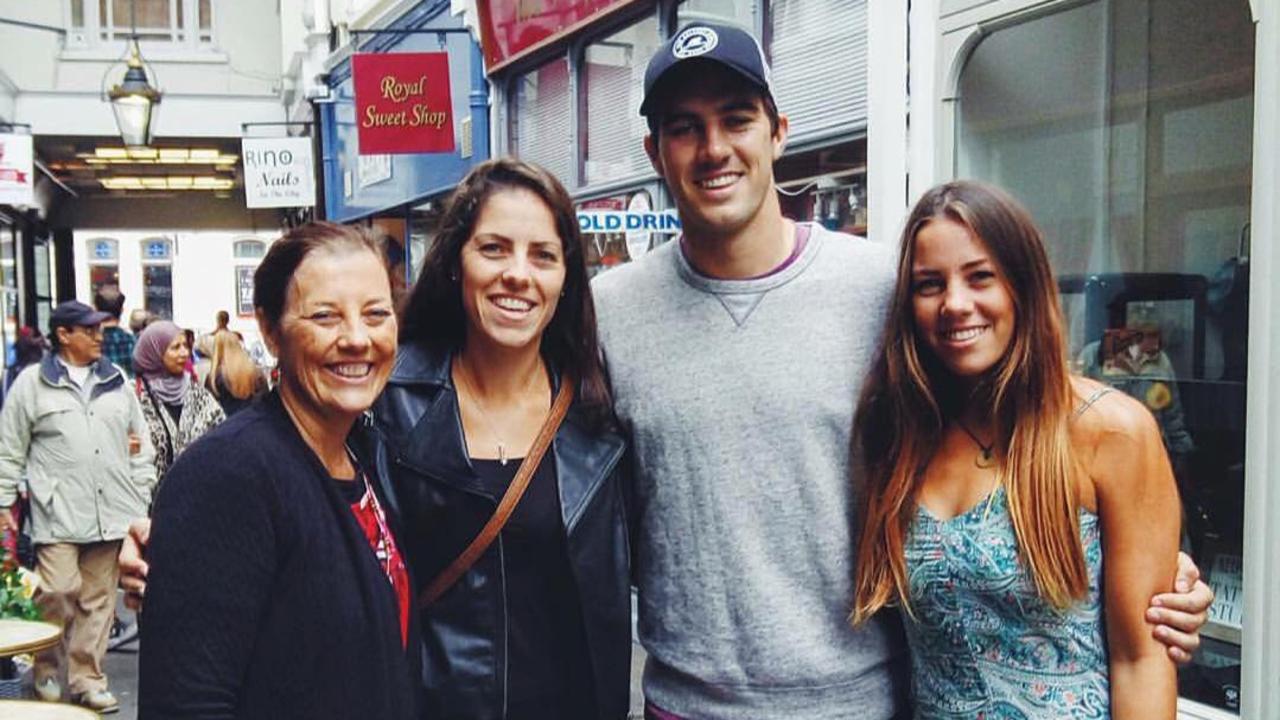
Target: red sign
[
  {"x": 403, "y": 103},
  {"x": 510, "y": 29}
]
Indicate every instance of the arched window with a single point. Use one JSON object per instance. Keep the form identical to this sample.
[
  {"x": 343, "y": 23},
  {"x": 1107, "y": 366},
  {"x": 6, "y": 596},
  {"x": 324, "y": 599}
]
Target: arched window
[
  {"x": 157, "y": 276},
  {"x": 104, "y": 263}
]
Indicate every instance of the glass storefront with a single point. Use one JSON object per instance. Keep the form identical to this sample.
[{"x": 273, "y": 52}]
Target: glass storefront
[
  {"x": 1126, "y": 127},
  {"x": 613, "y": 75}
]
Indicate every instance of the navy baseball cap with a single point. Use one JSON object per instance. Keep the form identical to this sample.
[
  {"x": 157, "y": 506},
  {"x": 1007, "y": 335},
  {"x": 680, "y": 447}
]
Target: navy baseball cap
[
  {"x": 73, "y": 313},
  {"x": 732, "y": 47}
]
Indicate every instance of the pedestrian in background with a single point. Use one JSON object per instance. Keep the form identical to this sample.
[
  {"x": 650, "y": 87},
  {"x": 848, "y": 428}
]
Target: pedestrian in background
[
  {"x": 117, "y": 343},
  {"x": 233, "y": 378},
  {"x": 202, "y": 357},
  {"x": 177, "y": 409},
  {"x": 138, "y": 321},
  {"x": 276, "y": 587},
  {"x": 221, "y": 321},
  {"x": 66, "y": 425}
]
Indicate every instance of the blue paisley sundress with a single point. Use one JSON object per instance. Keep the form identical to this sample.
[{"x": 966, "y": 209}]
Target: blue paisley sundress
[{"x": 984, "y": 646}]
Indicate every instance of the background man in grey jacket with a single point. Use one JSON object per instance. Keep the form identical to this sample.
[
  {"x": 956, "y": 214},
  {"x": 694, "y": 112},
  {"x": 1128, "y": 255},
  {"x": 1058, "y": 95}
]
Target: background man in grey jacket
[
  {"x": 66, "y": 426},
  {"x": 736, "y": 354}
]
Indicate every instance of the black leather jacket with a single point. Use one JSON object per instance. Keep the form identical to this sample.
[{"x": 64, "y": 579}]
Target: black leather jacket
[{"x": 436, "y": 497}]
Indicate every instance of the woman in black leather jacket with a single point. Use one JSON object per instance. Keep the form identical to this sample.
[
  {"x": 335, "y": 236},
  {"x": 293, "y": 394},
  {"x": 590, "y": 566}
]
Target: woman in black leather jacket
[{"x": 539, "y": 627}]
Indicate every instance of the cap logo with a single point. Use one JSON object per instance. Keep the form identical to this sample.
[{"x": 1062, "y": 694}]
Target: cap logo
[{"x": 694, "y": 41}]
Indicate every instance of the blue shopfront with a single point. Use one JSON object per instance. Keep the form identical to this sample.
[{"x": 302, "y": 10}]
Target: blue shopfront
[{"x": 400, "y": 194}]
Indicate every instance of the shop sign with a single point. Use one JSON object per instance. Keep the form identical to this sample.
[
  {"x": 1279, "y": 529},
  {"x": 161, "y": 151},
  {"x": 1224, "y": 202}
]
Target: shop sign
[
  {"x": 278, "y": 172},
  {"x": 403, "y": 103},
  {"x": 17, "y": 182},
  {"x": 608, "y": 221},
  {"x": 510, "y": 29},
  {"x": 638, "y": 240}
]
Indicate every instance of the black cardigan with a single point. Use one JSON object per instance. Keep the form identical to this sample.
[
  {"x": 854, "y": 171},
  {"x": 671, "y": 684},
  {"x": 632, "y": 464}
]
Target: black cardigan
[{"x": 264, "y": 600}]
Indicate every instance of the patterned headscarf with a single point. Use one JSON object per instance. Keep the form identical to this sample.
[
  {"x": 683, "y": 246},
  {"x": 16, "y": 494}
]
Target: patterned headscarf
[{"x": 148, "y": 361}]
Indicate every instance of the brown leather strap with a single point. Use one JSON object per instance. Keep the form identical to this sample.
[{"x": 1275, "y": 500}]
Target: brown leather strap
[{"x": 507, "y": 505}]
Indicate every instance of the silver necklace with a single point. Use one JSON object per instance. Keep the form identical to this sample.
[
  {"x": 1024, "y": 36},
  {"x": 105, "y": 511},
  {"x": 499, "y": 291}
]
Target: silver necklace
[{"x": 474, "y": 395}]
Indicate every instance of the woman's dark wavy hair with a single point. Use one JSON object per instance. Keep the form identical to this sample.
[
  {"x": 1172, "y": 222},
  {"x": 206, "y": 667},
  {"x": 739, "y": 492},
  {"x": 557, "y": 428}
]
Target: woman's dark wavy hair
[{"x": 432, "y": 313}]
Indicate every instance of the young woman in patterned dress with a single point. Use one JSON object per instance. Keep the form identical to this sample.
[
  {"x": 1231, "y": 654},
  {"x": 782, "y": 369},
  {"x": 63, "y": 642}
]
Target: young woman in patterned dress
[{"x": 1020, "y": 517}]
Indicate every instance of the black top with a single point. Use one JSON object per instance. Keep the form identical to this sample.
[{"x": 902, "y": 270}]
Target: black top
[
  {"x": 264, "y": 599},
  {"x": 547, "y": 655}
]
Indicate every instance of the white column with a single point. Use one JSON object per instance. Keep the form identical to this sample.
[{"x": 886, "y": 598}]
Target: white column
[
  {"x": 1261, "y": 656},
  {"x": 887, "y": 111}
]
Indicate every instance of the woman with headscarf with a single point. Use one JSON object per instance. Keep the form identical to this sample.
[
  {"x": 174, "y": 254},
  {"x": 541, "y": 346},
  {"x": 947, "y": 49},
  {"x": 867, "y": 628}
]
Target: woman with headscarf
[{"x": 177, "y": 410}]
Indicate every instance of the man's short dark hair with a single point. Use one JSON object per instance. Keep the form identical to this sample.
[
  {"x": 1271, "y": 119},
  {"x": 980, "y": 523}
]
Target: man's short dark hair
[
  {"x": 770, "y": 109},
  {"x": 654, "y": 119},
  {"x": 109, "y": 300}
]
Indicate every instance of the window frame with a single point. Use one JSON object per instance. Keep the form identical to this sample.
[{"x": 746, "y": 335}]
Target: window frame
[{"x": 106, "y": 34}]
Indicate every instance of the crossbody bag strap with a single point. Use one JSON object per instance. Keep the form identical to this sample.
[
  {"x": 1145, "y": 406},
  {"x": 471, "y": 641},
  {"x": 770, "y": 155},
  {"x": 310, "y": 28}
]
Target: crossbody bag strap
[{"x": 507, "y": 505}]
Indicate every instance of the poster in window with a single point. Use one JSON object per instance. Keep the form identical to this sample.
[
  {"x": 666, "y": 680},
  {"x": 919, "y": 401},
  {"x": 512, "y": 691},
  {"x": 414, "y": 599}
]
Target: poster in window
[{"x": 244, "y": 290}]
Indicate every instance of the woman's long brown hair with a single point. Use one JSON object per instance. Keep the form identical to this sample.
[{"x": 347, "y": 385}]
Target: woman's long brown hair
[{"x": 909, "y": 398}]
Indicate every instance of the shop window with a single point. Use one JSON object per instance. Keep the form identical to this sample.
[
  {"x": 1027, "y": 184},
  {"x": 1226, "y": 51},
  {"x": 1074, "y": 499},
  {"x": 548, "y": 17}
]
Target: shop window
[
  {"x": 733, "y": 12},
  {"x": 104, "y": 264},
  {"x": 8, "y": 286},
  {"x": 620, "y": 228},
  {"x": 424, "y": 226},
  {"x": 157, "y": 276},
  {"x": 1126, "y": 127},
  {"x": 540, "y": 119},
  {"x": 819, "y": 63},
  {"x": 613, "y": 74}
]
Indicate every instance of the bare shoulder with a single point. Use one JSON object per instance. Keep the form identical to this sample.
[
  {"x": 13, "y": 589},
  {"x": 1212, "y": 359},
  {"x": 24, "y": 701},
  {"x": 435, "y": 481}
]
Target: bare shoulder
[
  {"x": 1101, "y": 412},
  {"x": 1117, "y": 439}
]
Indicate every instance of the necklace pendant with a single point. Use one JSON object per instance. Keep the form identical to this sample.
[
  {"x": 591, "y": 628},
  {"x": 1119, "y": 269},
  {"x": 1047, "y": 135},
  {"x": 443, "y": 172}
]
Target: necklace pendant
[
  {"x": 984, "y": 460},
  {"x": 502, "y": 454}
]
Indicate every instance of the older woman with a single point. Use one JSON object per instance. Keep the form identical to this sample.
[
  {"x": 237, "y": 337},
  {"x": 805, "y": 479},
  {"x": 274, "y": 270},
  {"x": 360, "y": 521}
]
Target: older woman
[
  {"x": 177, "y": 410},
  {"x": 499, "y": 321},
  {"x": 276, "y": 588}
]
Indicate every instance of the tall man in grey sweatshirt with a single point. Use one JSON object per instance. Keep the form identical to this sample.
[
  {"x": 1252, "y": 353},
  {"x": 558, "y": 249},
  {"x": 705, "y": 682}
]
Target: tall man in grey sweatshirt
[{"x": 736, "y": 354}]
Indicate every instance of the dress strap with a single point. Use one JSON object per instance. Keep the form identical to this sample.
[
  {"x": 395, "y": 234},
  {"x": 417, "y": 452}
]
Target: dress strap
[{"x": 1095, "y": 397}]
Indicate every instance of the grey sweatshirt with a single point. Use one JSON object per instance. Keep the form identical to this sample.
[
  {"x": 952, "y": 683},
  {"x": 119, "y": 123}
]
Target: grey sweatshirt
[{"x": 739, "y": 399}]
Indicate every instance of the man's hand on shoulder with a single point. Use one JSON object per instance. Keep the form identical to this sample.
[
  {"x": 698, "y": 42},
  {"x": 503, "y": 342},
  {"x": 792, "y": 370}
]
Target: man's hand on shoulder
[{"x": 1179, "y": 615}]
